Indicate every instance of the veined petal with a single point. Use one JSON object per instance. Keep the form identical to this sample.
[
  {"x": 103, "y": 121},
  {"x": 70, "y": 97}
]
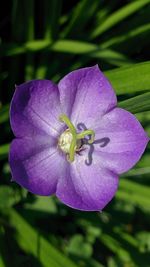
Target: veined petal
[
  {"x": 87, "y": 187},
  {"x": 34, "y": 165},
  {"x": 86, "y": 95},
  {"x": 125, "y": 139},
  {"x": 35, "y": 109}
]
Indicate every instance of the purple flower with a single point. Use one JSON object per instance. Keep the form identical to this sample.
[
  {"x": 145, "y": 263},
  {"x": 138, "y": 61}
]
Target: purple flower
[{"x": 72, "y": 140}]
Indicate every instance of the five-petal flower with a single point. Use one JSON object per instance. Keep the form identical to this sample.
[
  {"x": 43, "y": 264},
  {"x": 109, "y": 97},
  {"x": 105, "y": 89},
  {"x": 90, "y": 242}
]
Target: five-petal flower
[{"x": 43, "y": 157}]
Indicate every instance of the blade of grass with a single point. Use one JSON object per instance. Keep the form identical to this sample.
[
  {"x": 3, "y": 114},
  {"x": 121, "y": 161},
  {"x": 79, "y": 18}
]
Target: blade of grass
[
  {"x": 52, "y": 11},
  {"x": 115, "y": 246},
  {"x": 134, "y": 78},
  {"x": 139, "y": 171},
  {"x": 144, "y": 118},
  {"x": 1, "y": 262},
  {"x": 125, "y": 80},
  {"x": 118, "y": 16},
  {"x": 137, "y": 200},
  {"x": 91, "y": 50},
  {"x": 4, "y": 113},
  {"x": 124, "y": 38},
  {"x": 4, "y": 151},
  {"x": 80, "y": 16},
  {"x": 29, "y": 36},
  {"x": 135, "y": 188},
  {"x": 137, "y": 104},
  {"x": 16, "y": 36},
  {"x": 131, "y": 25},
  {"x": 39, "y": 247},
  {"x": 104, "y": 12},
  {"x": 8, "y": 197},
  {"x": 143, "y": 165},
  {"x": 71, "y": 47},
  {"x": 125, "y": 247}
]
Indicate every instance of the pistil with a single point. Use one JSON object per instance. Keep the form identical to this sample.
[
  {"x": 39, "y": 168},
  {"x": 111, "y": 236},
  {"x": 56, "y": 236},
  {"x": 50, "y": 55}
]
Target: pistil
[{"x": 75, "y": 137}]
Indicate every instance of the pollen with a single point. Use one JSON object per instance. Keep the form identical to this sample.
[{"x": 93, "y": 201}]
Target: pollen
[{"x": 65, "y": 140}]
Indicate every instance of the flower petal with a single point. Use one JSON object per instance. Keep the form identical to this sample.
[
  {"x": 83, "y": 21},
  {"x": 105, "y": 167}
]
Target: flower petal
[
  {"x": 87, "y": 187},
  {"x": 120, "y": 140},
  {"x": 34, "y": 165},
  {"x": 35, "y": 109},
  {"x": 86, "y": 93}
]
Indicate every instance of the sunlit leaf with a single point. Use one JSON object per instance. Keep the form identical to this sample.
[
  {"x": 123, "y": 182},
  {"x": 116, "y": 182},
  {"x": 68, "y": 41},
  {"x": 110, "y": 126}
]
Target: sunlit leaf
[
  {"x": 8, "y": 197},
  {"x": 74, "y": 47},
  {"x": 134, "y": 193},
  {"x": 132, "y": 79},
  {"x": 32, "y": 241},
  {"x": 1, "y": 262},
  {"x": 137, "y": 104},
  {"x": 4, "y": 151}
]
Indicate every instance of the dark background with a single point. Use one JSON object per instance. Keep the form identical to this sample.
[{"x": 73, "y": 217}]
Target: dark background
[{"x": 48, "y": 39}]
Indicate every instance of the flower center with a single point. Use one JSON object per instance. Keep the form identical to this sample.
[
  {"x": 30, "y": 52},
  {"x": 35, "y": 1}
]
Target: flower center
[{"x": 70, "y": 141}]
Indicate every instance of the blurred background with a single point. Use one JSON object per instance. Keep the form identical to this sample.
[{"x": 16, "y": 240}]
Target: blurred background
[{"x": 48, "y": 39}]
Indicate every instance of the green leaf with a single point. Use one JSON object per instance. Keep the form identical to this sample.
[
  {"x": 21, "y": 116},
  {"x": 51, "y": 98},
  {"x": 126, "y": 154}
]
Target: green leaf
[
  {"x": 4, "y": 113},
  {"x": 134, "y": 188},
  {"x": 134, "y": 193},
  {"x": 135, "y": 199},
  {"x": 4, "y": 151},
  {"x": 31, "y": 241},
  {"x": 90, "y": 50},
  {"x": 42, "y": 204},
  {"x": 52, "y": 10},
  {"x": 79, "y": 247},
  {"x": 132, "y": 79},
  {"x": 80, "y": 16},
  {"x": 118, "y": 16},
  {"x": 8, "y": 197},
  {"x": 125, "y": 247},
  {"x": 13, "y": 49},
  {"x": 137, "y": 104},
  {"x": 144, "y": 118},
  {"x": 1, "y": 262},
  {"x": 124, "y": 38},
  {"x": 29, "y": 36},
  {"x": 139, "y": 171},
  {"x": 143, "y": 238},
  {"x": 73, "y": 47},
  {"x": 115, "y": 246}
]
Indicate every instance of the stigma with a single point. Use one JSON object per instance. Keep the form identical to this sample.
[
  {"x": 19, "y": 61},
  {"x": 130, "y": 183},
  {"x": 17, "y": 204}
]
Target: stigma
[{"x": 70, "y": 141}]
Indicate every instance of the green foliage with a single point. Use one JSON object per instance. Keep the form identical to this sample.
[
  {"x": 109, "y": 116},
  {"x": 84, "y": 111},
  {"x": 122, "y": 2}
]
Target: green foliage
[
  {"x": 32, "y": 242},
  {"x": 137, "y": 104},
  {"x": 132, "y": 79},
  {"x": 4, "y": 151},
  {"x": 47, "y": 40},
  {"x": 118, "y": 16}
]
